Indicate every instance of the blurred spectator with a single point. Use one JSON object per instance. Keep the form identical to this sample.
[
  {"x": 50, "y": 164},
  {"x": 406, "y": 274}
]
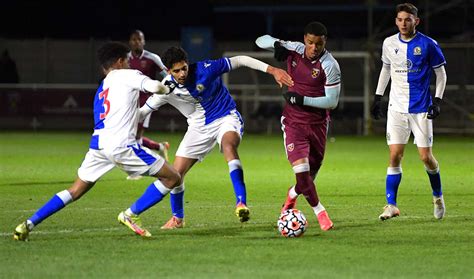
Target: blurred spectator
[{"x": 8, "y": 70}]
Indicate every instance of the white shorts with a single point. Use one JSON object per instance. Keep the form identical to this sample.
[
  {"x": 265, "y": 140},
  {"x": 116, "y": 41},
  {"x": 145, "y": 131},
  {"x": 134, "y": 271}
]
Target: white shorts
[
  {"x": 146, "y": 121},
  {"x": 199, "y": 141},
  {"x": 400, "y": 125},
  {"x": 134, "y": 160}
]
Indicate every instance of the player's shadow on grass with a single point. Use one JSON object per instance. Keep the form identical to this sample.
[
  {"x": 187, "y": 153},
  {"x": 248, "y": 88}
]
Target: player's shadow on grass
[{"x": 38, "y": 183}]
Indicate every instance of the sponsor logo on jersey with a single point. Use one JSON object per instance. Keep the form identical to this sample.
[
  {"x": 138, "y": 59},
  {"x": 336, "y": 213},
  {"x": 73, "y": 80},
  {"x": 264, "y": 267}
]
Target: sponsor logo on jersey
[
  {"x": 409, "y": 64},
  {"x": 293, "y": 63},
  {"x": 315, "y": 73},
  {"x": 396, "y": 51},
  {"x": 290, "y": 147},
  {"x": 417, "y": 51},
  {"x": 207, "y": 65}
]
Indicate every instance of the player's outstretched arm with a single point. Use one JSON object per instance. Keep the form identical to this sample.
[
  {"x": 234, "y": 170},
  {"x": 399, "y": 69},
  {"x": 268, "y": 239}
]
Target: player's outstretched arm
[
  {"x": 268, "y": 42},
  {"x": 329, "y": 101},
  {"x": 156, "y": 87},
  {"x": 281, "y": 76}
]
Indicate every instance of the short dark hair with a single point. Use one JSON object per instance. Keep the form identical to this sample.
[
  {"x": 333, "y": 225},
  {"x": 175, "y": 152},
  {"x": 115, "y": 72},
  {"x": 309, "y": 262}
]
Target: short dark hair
[
  {"x": 174, "y": 55},
  {"x": 407, "y": 7},
  {"x": 136, "y": 31},
  {"x": 110, "y": 52},
  {"x": 316, "y": 28}
]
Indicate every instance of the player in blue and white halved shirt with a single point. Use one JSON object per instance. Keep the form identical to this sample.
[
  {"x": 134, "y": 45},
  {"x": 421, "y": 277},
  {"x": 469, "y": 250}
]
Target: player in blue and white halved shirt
[
  {"x": 212, "y": 117},
  {"x": 409, "y": 57},
  {"x": 113, "y": 144}
]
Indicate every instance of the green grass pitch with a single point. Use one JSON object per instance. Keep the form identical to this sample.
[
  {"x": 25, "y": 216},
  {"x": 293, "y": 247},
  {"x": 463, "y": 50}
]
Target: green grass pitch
[{"x": 84, "y": 239}]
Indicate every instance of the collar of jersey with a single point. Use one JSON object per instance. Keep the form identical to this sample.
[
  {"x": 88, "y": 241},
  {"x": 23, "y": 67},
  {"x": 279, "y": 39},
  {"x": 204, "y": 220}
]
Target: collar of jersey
[
  {"x": 406, "y": 42},
  {"x": 177, "y": 83},
  {"x": 317, "y": 58}
]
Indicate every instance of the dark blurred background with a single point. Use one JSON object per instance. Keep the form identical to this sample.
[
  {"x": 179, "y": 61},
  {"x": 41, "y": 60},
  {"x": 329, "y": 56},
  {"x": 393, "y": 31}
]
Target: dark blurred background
[{"x": 53, "y": 46}]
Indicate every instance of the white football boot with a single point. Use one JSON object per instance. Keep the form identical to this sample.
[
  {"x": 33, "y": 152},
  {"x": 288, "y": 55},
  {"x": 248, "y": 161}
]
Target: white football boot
[{"x": 389, "y": 211}]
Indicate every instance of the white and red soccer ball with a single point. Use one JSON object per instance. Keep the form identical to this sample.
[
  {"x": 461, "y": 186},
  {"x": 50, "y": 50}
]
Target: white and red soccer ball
[{"x": 292, "y": 223}]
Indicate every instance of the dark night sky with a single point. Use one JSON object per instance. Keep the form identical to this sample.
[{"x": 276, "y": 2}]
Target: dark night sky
[{"x": 163, "y": 20}]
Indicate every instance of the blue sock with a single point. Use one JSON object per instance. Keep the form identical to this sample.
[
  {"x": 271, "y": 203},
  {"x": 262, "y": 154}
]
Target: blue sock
[
  {"x": 394, "y": 176},
  {"x": 153, "y": 194},
  {"x": 56, "y": 203},
  {"x": 237, "y": 177},
  {"x": 435, "y": 180},
  {"x": 177, "y": 201}
]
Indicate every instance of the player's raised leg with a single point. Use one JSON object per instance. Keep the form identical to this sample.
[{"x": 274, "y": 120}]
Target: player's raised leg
[
  {"x": 56, "y": 203},
  {"x": 291, "y": 198},
  {"x": 305, "y": 185}
]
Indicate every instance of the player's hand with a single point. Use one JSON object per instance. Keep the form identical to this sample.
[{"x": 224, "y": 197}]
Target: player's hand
[
  {"x": 171, "y": 85},
  {"x": 281, "y": 53},
  {"x": 294, "y": 98},
  {"x": 281, "y": 76},
  {"x": 434, "y": 110},
  {"x": 376, "y": 110}
]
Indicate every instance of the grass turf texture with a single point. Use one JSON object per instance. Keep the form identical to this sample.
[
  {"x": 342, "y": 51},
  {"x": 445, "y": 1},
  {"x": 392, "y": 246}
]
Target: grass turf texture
[{"x": 85, "y": 240}]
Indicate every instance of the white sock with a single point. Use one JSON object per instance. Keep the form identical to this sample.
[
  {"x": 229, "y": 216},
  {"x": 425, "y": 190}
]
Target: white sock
[
  {"x": 30, "y": 225},
  {"x": 318, "y": 208},
  {"x": 129, "y": 212},
  {"x": 292, "y": 193}
]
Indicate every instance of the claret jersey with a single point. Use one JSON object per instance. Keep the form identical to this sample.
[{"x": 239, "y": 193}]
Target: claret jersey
[
  {"x": 310, "y": 77},
  {"x": 411, "y": 64}
]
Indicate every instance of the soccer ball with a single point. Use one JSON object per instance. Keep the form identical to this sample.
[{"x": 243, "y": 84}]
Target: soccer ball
[{"x": 292, "y": 223}]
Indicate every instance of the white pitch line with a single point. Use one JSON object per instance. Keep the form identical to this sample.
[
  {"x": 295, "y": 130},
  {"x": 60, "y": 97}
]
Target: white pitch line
[{"x": 201, "y": 225}]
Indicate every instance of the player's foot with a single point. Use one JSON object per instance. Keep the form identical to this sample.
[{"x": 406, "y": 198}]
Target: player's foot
[
  {"x": 173, "y": 223},
  {"x": 134, "y": 223},
  {"x": 389, "y": 211},
  {"x": 21, "y": 232},
  {"x": 242, "y": 211},
  {"x": 134, "y": 177},
  {"x": 164, "y": 146},
  {"x": 439, "y": 207},
  {"x": 324, "y": 222},
  {"x": 289, "y": 202}
]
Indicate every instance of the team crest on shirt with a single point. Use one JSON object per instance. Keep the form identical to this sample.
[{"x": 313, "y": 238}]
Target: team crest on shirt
[
  {"x": 200, "y": 87},
  {"x": 417, "y": 51},
  {"x": 143, "y": 63},
  {"x": 290, "y": 147},
  {"x": 315, "y": 73}
]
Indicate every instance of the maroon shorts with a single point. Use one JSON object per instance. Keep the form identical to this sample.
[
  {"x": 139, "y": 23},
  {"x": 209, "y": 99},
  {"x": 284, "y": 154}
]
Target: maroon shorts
[
  {"x": 143, "y": 97},
  {"x": 305, "y": 141}
]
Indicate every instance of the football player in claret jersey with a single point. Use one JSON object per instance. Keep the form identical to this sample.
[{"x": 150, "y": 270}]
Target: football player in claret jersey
[
  {"x": 305, "y": 119},
  {"x": 408, "y": 58},
  {"x": 149, "y": 64},
  {"x": 212, "y": 116},
  {"x": 113, "y": 143}
]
